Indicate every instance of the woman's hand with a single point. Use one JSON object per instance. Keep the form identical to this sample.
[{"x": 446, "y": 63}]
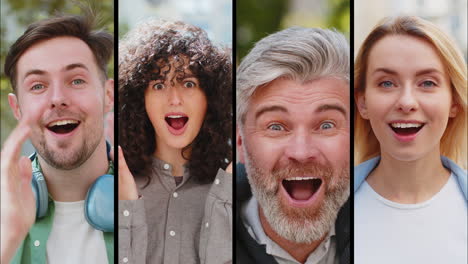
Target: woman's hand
[
  {"x": 229, "y": 168},
  {"x": 127, "y": 186}
]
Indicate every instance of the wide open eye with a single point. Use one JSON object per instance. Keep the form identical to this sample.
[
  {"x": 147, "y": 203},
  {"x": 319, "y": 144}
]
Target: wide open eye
[
  {"x": 386, "y": 84},
  {"x": 276, "y": 127},
  {"x": 189, "y": 84},
  {"x": 37, "y": 87},
  {"x": 158, "y": 86},
  {"x": 327, "y": 125},
  {"x": 78, "y": 82}
]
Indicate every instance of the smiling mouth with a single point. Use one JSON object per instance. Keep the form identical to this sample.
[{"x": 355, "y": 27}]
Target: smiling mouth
[
  {"x": 176, "y": 121},
  {"x": 63, "y": 126},
  {"x": 405, "y": 129},
  {"x": 301, "y": 189}
]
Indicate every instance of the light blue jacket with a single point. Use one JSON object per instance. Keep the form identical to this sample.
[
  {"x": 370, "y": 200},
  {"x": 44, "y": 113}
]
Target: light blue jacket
[{"x": 362, "y": 171}]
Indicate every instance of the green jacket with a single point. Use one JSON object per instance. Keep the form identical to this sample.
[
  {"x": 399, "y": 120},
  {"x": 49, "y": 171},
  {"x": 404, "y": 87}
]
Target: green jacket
[{"x": 33, "y": 248}]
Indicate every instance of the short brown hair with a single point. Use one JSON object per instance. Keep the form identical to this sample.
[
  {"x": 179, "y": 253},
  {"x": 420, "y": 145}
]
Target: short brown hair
[{"x": 100, "y": 42}]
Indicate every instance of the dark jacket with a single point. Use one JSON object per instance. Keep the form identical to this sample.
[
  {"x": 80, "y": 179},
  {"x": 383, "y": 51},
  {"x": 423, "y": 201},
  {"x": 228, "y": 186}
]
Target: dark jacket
[{"x": 247, "y": 249}]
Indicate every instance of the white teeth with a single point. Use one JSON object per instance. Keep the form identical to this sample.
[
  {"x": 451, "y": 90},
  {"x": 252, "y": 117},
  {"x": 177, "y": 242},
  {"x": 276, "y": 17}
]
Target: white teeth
[
  {"x": 405, "y": 125},
  {"x": 63, "y": 122},
  {"x": 300, "y": 178},
  {"x": 175, "y": 116}
]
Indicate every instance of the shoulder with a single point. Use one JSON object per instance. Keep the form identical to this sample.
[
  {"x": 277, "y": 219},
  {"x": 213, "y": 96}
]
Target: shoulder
[{"x": 362, "y": 170}]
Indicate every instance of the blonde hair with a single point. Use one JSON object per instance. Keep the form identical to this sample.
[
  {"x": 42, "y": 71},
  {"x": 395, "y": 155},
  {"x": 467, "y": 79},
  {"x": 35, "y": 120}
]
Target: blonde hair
[{"x": 453, "y": 143}]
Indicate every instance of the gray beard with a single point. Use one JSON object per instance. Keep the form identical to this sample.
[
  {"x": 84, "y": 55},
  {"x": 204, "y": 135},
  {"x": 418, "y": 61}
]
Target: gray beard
[{"x": 300, "y": 225}]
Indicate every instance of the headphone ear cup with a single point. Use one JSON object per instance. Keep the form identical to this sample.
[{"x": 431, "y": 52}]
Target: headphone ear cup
[
  {"x": 41, "y": 194},
  {"x": 99, "y": 204}
]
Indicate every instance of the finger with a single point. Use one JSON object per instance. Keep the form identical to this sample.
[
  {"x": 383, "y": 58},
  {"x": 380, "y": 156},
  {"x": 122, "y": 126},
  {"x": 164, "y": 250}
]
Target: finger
[
  {"x": 111, "y": 154},
  {"x": 123, "y": 168},
  {"x": 25, "y": 168},
  {"x": 12, "y": 146}
]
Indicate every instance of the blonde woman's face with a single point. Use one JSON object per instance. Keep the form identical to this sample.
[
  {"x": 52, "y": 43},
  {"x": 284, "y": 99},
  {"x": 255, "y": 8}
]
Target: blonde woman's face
[{"x": 407, "y": 97}]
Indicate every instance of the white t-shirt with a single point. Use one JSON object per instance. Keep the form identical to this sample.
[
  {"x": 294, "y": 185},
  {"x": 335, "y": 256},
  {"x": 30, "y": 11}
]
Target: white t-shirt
[
  {"x": 72, "y": 240},
  {"x": 434, "y": 231}
]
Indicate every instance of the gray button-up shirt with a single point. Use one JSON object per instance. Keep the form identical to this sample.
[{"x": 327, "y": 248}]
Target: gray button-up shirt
[{"x": 185, "y": 223}]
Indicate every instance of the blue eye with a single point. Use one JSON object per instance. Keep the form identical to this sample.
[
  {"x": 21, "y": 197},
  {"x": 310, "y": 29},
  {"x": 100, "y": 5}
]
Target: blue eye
[
  {"x": 78, "y": 82},
  {"x": 189, "y": 84},
  {"x": 158, "y": 86},
  {"x": 37, "y": 87},
  {"x": 276, "y": 127},
  {"x": 327, "y": 125},
  {"x": 386, "y": 84},
  {"x": 428, "y": 84}
]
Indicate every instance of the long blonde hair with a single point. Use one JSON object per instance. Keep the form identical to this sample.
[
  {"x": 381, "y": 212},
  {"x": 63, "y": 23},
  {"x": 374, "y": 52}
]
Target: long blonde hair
[{"x": 453, "y": 143}]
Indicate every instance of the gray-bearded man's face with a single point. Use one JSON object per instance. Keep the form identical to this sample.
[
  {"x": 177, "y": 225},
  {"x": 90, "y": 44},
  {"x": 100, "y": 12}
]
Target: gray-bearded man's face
[{"x": 295, "y": 146}]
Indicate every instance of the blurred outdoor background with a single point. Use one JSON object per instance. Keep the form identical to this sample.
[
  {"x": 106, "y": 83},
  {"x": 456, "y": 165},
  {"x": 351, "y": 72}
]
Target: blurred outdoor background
[
  {"x": 16, "y": 15},
  {"x": 449, "y": 15},
  {"x": 259, "y": 18},
  {"x": 213, "y": 16}
]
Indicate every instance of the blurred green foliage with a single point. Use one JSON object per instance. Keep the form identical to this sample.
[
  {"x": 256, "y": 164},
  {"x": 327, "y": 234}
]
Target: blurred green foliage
[
  {"x": 259, "y": 18},
  {"x": 21, "y": 13}
]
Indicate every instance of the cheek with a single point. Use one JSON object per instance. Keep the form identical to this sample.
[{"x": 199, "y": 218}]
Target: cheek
[
  {"x": 265, "y": 151},
  {"x": 336, "y": 149}
]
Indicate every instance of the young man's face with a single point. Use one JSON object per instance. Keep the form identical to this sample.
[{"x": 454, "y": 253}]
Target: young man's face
[
  {"x": 295, "y": 145},
  {"x": 60, "y": 78}
]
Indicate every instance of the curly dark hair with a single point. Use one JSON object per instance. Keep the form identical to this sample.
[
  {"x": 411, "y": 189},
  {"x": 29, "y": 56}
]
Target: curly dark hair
[{"x": 140, "y": 54}]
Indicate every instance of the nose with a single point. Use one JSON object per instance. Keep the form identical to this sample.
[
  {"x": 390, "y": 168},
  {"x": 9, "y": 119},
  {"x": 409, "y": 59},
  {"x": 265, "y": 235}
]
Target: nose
[
  {"x": 175, "y": 96},
  {"x": 407, "y": 101},
  {"x": 301, "y": 147},
  {"x": 59, "y": 97}
]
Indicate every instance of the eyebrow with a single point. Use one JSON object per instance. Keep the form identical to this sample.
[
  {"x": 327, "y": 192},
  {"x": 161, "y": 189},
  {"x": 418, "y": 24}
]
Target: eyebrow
[
  {"x": 272, "y": 108},
  {"x": 320, "y": 109},
  {"x": 418, "y": 73},
  {"x": 66, "y": 68},
  {"x": 328, "y": 107}
]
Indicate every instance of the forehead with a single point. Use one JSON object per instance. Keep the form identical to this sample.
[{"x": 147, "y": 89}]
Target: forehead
[
  {"x": 55, "y": 54},
  {"x": 302, "y": 97},
  {"x": 404, "y": 53}
]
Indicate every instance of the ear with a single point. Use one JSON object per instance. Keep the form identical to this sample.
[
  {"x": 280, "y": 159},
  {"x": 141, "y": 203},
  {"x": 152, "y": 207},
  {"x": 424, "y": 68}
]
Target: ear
[
  {"x": 239, "y": 142},
  {"x": 360, "y": 100},
  {"x": 13, "y": 101},
  {"x": 109, "y": 95},
  {"x": 454, "y": 110}
]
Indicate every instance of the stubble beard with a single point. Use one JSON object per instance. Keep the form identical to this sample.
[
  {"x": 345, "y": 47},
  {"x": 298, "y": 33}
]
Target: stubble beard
[
  {"x": 299, "y": 225},
  {"x": 69, "y": 159}
]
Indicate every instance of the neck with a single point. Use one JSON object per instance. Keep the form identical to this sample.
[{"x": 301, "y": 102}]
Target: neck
[
  {"x": 172, "y": 156},
  {"x": 299, "y": 251},
  {"x": 72, "y": 185},
  {"x": 409, "y": 182}
]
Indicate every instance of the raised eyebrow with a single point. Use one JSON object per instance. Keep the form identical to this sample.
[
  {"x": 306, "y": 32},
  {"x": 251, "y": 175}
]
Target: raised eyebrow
[
  {"x": 427, "y": 71},
  {"x": 332, "y": 107},
  {"x": 385, "y": 70},
  {"x": 34, "y": 72},
  {"x": 74, "y": 66},
  {"x": 271, "y": 108}
]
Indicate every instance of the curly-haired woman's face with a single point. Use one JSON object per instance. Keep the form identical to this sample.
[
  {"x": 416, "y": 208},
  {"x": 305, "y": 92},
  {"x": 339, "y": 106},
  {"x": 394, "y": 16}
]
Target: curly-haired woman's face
[{"x": 176, "y": 104}]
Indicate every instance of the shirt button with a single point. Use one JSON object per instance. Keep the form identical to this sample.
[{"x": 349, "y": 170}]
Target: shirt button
[
  {"x": 207, "y": 224},
  {"x": 166, "y": 166},
  {"x": 125, "y": 260},
  {"x": 126, "y": 213},
  {"x": 172, "y": 233},
  {"x": 37, "y": 243},
  {"x": 217, "y": 181},
  {"x": 175, "y": 194}
]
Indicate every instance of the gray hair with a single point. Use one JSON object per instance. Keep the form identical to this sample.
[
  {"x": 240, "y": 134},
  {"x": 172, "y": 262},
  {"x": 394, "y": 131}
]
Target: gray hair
[{"x": 300, "y": 54}]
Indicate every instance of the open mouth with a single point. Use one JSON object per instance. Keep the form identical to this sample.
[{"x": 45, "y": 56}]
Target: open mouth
[
  {"x": 176, "y": 121},
  {"x": 301, "y": 188},
  {"x": 63, "y": 126},
  {"x": 405, "y": 129}
]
